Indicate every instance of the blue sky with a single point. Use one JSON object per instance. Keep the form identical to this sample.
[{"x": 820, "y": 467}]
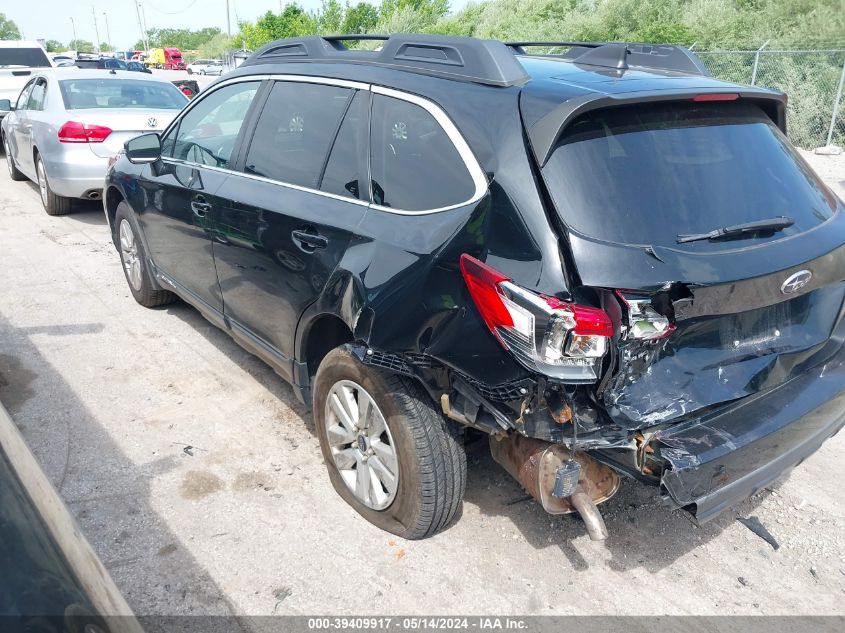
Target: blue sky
[{"x": 50, "y": 19}]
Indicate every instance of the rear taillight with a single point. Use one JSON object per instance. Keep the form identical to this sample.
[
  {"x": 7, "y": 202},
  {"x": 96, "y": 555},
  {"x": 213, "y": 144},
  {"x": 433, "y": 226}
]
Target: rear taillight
[
  {"x": 76, "y": 132},
  {"x": 556, "y": 338}
]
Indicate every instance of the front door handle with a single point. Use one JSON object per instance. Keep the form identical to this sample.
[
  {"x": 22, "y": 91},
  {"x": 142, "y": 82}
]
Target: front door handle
[
  {"x": 200, "y": 207},
  {"x": 309, "y": 241}
]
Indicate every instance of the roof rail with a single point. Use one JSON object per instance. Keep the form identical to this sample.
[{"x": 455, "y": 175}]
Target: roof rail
[
  {"x": 469, "y": 59},
  {"x": 622, "y": 55}
]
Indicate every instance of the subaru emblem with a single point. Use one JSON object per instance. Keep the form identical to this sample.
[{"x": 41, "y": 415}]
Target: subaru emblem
[
  {"x": 152, "y": 122},
  {"x": 795, "y": 282}
]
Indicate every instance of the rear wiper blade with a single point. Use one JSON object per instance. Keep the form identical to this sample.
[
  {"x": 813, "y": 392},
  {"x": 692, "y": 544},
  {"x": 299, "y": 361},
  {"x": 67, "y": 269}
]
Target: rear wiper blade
[{"x": 774, "y": 224}]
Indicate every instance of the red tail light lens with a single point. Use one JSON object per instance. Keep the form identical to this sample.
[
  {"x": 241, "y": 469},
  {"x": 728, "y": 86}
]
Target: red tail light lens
[
  {"x": 553, "y": 337},
  {"x": 77, "y": 132},
  {"x": 483, "y": 283}
]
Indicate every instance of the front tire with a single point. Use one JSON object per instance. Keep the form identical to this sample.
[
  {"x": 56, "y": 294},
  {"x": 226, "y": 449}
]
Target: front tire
[
  {"x": 53, "y": 204},
  {"x": 390, "y": 455},
  {"x": 14, "y": 173},
  {"x": 134, "y": 260}
]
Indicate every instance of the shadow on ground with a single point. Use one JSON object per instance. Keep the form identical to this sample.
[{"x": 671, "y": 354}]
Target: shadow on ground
[
  {"x": 643, "y": 534},
  {"x": 252, "y": 365},
  {"x": 150, "y": 565}
]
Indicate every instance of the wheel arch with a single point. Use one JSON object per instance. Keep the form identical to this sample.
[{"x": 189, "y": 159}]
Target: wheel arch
[
  {"x": 111, "y": 198},
  {"x": 322, "y": 333}
]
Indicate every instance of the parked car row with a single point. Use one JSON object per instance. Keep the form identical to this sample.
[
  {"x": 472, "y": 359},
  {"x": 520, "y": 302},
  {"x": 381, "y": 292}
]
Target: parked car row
[{"x": 110, "y": 63}]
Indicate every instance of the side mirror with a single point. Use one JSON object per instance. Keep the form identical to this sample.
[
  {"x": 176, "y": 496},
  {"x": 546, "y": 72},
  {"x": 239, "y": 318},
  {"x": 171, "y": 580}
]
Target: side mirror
[
  {"x": 5, "y": 105},
  {"x": 143, "y": 149}
]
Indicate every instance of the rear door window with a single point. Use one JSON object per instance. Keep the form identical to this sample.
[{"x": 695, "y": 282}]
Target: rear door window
[
  {"x": 23, "y": 98},
  {"x": 414, "y": 164},
  {"x": 646, "y": 174},
  {"x": 342, "y": 176},
  {"x": 295, "y": 131},
  {"x": 36, "y": 97},
  {"x": 208, "y": 132}
]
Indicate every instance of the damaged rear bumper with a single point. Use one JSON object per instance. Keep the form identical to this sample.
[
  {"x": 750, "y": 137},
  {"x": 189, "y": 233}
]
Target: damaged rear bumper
[{"x": 719, "y": 460}]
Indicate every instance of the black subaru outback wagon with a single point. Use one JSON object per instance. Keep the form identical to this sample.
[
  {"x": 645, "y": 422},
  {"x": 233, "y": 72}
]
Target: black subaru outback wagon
[{"x": 601, "y": 257}]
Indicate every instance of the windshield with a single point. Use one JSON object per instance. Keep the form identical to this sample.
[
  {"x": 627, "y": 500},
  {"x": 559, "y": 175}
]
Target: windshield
[
  {"x": 645, "y": 174},
  {"x": 28, "y": 57},
  {"x": 116, "y": 93}
]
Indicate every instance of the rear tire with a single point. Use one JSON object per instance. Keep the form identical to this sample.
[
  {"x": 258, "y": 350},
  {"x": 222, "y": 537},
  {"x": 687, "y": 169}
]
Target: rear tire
[
  {"x": 134, "y": 260},
  {"x": 428, "y": 453},
  {"x": 14, "y": 173},
  {"x": 53, "y": 204}
]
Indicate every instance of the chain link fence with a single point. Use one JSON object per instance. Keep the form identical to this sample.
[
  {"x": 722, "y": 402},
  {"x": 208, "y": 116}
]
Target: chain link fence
[{"x": 813, "y": 80}]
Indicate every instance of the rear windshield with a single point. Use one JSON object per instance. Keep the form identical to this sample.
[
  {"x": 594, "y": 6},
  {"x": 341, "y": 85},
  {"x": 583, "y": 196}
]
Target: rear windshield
[
  {"x": 79, "y": 94},
  {"x": 645, "y": 174},
  {"x": 29, "y": 57}
]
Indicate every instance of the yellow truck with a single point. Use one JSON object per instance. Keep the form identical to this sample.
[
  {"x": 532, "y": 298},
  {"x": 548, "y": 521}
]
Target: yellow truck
[{"x": 167, "y": 58}]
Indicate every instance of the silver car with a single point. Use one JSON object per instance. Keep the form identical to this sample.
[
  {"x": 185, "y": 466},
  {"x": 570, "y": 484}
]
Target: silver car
[{"x": 67, "y": 123}]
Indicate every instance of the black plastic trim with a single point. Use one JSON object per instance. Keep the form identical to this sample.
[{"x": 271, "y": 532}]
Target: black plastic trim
[
  {"x": 544, "y": 133},
  {"x": 488, "y": 62}
]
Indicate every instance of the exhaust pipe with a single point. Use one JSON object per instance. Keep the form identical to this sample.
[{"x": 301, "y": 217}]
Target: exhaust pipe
[{"x": 547, "y": 472}]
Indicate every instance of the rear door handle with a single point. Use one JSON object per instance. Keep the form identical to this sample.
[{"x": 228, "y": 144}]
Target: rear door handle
[
  {"x": 309, "y": 241},
  {"x": 200, "y": 207}
]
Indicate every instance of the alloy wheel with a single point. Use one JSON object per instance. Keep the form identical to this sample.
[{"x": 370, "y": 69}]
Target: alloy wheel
[
  {"x": 129, "y": 255},
  {"x": 361, "y": 445}
]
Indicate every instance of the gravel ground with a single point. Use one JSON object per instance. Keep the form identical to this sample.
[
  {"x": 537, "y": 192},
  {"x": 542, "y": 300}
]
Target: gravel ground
[{"x": 199, "y": 482}]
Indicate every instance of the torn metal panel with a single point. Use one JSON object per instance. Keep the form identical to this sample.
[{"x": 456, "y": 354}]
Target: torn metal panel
[
  {"x": 713, "y": 359},
  {"x": 709, "y": 463}
]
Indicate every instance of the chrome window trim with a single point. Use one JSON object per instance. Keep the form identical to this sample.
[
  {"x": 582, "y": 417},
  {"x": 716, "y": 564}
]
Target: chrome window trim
[
  {"x": 192, "y": 104},
  {"x": 470, "y": 162},
  {"x": 460, "y": 144},
  {"x": 232, "y": 172}
]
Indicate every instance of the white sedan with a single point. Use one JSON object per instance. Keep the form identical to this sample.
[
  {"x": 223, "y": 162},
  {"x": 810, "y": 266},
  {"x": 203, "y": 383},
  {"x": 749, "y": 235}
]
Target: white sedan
[
  {"x": 204, "y": 67},
  {"x": 67, "y": 123}
]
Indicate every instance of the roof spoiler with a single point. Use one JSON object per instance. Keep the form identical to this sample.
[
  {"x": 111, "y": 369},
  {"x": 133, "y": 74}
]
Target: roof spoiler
[
  {"x": 488, "y": 62},
  {"x": 545, "y": 133},
  {"x": 622, "y": 55}
]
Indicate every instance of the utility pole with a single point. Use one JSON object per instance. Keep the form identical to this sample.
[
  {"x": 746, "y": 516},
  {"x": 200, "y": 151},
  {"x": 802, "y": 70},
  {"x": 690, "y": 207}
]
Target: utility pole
[
  {"x": 228, "y": 21},
  {"x": 108, "y": 30},
  {"x": 143, "y": 26},
  {"x": 75, "y": 41},
  {"x": 96, "y": 28}
]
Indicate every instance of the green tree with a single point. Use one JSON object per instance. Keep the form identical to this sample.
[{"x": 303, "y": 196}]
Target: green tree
[
  {"x": 183, "y": 39},
  {"x": 8, "y": 29},
  {"x": 360, "y": 18},
  {"x": 81, "y": 46},
  {"x": 330, "y": 17},
  {"x": 292, "y": 22},
  {"x": 216, "y": 47},
  {"x": 54, "y": 46},
  {"x": 430, "y": 10},
  {"x": 106, "y": 47},
  {"x": 411, "y": 15}
]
